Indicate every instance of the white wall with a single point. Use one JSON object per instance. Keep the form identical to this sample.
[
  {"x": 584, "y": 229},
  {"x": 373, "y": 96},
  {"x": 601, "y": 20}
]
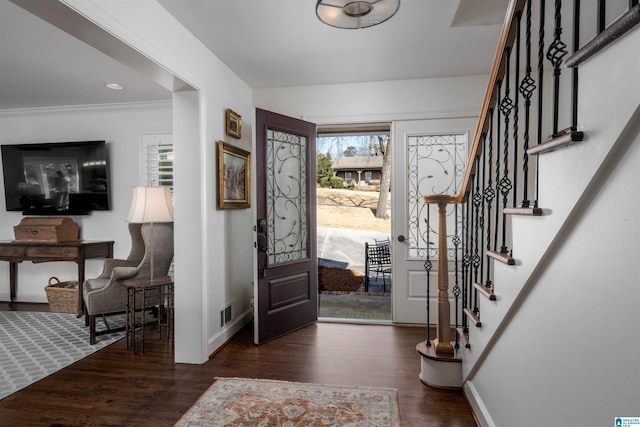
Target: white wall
[
  {"x": 121, "y": 126},
  {"x": 377, "y": 101}
]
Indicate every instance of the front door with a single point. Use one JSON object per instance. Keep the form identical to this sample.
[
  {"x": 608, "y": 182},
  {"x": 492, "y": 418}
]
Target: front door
[
  {"x": 286, "y": 295},
  {"x": 429, "y": 158}
]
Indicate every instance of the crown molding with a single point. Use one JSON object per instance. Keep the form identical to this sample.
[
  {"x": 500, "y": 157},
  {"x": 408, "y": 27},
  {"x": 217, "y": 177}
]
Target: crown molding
[{"x": 128, "y": 106}]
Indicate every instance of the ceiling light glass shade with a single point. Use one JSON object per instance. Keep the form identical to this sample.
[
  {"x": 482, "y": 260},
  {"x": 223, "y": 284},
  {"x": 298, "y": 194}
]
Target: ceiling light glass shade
[
  {"x": 353, "y": 14},
  {"x": 150, "y": 204}
]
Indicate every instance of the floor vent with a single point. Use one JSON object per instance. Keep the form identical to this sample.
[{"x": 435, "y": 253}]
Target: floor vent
[{"x": 225, "y": 315}]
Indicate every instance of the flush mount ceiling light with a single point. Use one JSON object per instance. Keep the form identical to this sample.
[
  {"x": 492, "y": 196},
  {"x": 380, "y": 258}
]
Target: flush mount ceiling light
[
  {"x": 114, "y": 86},
  {"x": 353, "y": 14}
]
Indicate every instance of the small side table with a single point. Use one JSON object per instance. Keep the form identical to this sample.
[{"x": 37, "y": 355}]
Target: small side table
[{"x": 159, "y": 288}]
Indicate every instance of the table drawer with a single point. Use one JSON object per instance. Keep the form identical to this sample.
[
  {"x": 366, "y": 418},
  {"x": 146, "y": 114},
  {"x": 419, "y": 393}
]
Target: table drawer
[
  {"x": 12, "y": 251},
  {"x": 52, "y": 252}
]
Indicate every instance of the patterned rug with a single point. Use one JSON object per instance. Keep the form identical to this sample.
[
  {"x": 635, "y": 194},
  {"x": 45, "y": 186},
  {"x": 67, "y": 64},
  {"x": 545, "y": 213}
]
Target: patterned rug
[
  {"x": 34, "y": 345},
  {"x": 249, "y": 402}
]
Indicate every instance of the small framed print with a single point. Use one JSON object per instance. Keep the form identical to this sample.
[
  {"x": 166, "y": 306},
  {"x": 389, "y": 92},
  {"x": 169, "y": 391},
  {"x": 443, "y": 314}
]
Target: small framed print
[
  {"x": 234, "y": 124},
  {"x": 234, "y": 181}
]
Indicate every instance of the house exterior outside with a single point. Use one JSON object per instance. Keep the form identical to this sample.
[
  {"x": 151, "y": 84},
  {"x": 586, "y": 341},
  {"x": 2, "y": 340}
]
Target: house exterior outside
[{"x": 358, "y": 171}]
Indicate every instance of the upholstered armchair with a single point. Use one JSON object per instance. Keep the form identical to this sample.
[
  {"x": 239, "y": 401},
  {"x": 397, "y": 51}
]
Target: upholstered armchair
[{"x": 107, "y": 295}]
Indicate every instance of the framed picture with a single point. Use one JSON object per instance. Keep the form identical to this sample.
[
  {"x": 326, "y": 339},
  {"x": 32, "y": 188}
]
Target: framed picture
[
  {"x": 234, "y": 180},
  {"x": 234, "y": 124}
]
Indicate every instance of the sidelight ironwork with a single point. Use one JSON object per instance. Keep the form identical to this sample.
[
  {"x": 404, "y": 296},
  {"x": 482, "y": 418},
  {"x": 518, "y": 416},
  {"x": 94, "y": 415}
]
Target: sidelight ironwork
[
  {"x": 435, "y": 165},
  {"x": 287, "y": 197}
]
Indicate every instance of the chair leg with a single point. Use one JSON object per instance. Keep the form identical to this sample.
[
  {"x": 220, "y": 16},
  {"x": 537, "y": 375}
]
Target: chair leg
[{"x": 92, "y": 329}]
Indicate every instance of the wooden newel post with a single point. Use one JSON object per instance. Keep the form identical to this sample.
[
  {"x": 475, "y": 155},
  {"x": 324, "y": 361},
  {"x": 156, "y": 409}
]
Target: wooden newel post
[{"x": 443, "y": 327}]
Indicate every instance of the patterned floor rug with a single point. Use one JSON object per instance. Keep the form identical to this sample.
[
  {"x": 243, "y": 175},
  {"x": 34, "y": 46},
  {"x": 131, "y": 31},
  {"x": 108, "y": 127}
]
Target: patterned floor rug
[
  {"x": 34, "y": 345},
  {"x": 250, "y": 402}
]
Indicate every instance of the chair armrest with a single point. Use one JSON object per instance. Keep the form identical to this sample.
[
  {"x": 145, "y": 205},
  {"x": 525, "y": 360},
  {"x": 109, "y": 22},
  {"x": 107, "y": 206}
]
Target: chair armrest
[
  {"x": 123, "y": 273},
  {"x": 111, "y": 263}
]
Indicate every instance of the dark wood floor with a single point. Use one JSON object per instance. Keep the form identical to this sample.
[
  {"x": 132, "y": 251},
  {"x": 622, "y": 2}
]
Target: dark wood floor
[{"x": 115, "y": 388}]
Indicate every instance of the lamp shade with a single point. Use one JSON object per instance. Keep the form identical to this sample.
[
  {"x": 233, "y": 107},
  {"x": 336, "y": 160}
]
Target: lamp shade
[
  {"x": 354, "y": 14},
  {"x": 150, "y": 204}
]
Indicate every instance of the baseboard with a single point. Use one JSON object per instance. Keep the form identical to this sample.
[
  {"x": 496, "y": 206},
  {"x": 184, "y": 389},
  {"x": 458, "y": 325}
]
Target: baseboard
[
  {"x": 477, "y": 406},
  {"x": 220, "y": 339}
]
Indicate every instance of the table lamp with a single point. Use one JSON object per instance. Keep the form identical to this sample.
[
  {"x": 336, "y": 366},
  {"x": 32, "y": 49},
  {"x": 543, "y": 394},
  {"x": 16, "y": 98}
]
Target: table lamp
[{"x": 148, "y": 206}]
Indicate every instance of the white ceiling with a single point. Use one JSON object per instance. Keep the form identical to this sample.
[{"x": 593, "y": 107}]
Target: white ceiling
[{"x": 268, "y": 43}]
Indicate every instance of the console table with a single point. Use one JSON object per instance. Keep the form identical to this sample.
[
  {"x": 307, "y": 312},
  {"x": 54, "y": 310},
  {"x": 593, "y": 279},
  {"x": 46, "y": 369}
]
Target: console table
[{"x": 77, "y": 251}]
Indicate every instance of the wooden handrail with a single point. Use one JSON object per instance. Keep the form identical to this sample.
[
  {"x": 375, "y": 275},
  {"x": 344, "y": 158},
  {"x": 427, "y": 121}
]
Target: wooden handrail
[{"x": 506, "y": 40}]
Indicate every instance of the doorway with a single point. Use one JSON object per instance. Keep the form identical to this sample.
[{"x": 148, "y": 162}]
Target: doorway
[{"x": 354, "y": 222}]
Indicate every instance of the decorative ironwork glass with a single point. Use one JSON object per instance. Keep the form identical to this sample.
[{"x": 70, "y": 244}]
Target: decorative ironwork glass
[
  {"x": 435, "y": 165},
  {"x": 287, "y": 231}
]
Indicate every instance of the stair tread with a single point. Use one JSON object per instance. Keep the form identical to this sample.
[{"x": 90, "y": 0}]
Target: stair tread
[
  {"x": 473, "y": 317},
  {"x": 430, "y": 353},
  {"x": 523, "y": 211},
  {"x": 464, "y": 338},
  {"x": 485, "y": 291},
  {"x": 502, "y": 257},
  {"x": 557, "y": 141}
]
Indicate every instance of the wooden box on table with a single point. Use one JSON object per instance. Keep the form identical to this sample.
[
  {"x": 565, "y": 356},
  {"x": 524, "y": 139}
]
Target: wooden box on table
[{"x": 48, "y": 229}]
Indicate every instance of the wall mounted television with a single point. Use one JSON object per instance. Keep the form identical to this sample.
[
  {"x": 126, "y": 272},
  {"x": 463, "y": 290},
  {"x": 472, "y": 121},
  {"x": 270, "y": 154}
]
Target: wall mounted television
[{"x": 56, "y": 178}]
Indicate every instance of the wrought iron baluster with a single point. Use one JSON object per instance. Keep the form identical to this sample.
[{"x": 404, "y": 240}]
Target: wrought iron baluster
[
  {"x": 466, "y": 263},
  {"x": 602, "y": 15},
  {"x": 540, "y": 92},
  {"x": 516, "y": 110},
  {"x": 527, "y": 86},
  {"x": 504, "y": 186},
  {"x": 489, "y": 194},
  {"x": 481, "y": 172},
  {"x": 428, "y": 265},
  {"x": 498, "y": 123},
  {"x": 574, "y": 71},
  {"x": 557, "y": 51},
  {"x": 456, "y": 287},
  {"x": 477, "y": 201}
]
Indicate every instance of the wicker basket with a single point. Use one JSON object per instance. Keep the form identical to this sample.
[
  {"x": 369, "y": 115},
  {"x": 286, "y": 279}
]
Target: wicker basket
[{"x": 62, "y": 296}]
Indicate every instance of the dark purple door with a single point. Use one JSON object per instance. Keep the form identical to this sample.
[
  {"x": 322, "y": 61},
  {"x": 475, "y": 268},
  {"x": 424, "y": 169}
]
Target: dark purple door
[{"x": 287, "y": 290}]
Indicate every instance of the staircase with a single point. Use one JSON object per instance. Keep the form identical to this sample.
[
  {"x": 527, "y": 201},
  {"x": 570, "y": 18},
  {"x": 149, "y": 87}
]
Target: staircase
[{"x": 548, "y": 250}]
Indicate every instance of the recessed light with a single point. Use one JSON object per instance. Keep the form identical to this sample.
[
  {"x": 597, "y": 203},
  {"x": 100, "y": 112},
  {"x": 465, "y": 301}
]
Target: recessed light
[{"x": 114, "y": 86}]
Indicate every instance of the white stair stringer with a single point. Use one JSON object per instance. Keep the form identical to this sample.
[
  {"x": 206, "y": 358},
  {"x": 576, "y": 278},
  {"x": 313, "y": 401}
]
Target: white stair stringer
[{"x": 609, "y": 114}]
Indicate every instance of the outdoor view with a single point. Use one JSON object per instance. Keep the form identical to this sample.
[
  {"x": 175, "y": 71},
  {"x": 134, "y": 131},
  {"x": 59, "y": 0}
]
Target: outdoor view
[{"x": 354, "y": 225}]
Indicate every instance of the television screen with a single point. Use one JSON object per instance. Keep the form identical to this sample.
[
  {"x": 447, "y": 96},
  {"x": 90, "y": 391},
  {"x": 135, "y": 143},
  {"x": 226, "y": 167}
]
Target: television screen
[{"x": 59, "y": 178}]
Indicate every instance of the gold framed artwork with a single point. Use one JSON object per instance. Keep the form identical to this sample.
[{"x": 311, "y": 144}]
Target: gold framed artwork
[
  {"x": 234, "y": 124},
  {"x": 234, "y": 180}
]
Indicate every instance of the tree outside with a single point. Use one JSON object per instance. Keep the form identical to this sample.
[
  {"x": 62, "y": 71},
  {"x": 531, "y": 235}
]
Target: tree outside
[{"x": 323, "y": 167}]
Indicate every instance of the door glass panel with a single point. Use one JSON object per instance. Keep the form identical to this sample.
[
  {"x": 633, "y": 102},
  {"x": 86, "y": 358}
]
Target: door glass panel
[
  {"x": 287, "y": 231},
  {"x": 436, "y": 165}
]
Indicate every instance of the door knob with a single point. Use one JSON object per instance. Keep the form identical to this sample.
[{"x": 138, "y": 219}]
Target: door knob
[{"x": 401, "y": 238}]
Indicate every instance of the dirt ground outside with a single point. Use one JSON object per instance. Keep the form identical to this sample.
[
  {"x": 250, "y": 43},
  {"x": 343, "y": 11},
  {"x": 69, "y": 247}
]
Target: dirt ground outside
[{"x": 352, "y": 209}]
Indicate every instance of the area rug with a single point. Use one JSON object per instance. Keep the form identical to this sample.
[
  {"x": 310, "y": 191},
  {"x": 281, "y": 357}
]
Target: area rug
[
  {"x": 250, "y": 402},
  {"x": 34, "y": 345}
]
